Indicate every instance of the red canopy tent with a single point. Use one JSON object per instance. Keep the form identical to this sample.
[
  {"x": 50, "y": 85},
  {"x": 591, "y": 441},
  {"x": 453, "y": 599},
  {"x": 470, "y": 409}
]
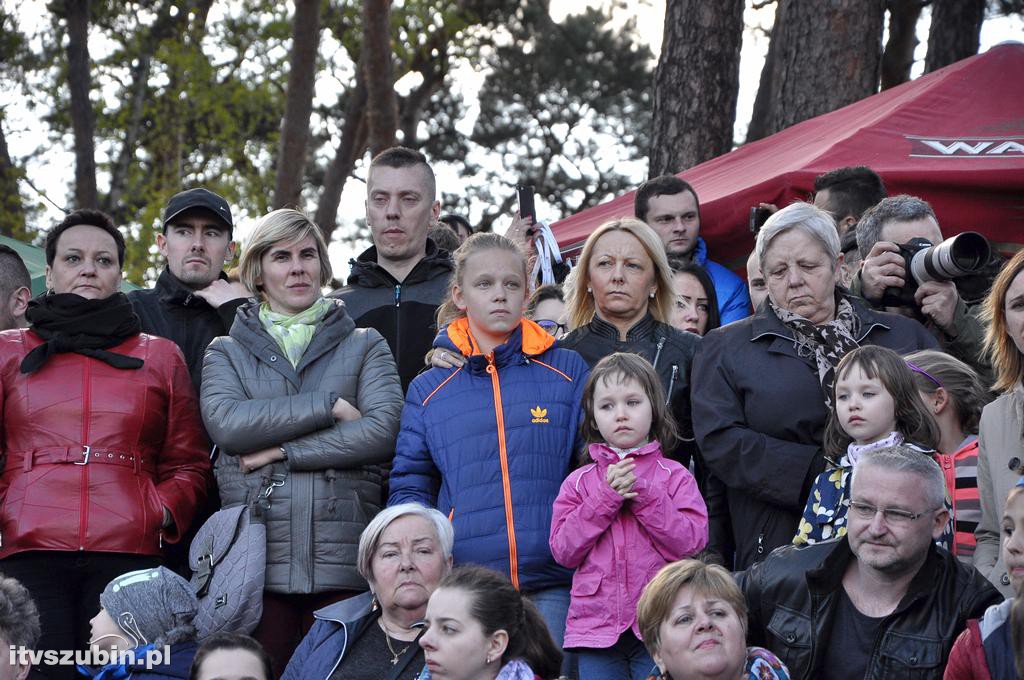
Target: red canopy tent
[{"x": 954, "y": 137}]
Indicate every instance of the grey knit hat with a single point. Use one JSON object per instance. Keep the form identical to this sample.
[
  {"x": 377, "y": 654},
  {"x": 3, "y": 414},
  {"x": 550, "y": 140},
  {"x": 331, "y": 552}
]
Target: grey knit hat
[{"x": 152, "y": 605}]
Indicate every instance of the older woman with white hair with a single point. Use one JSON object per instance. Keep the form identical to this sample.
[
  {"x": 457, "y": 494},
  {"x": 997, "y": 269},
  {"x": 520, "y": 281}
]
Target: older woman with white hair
[
  {"x": 305, "y": 408},
  {"x": 762, "y": 385},
  {"x": 403, "y": 554}
]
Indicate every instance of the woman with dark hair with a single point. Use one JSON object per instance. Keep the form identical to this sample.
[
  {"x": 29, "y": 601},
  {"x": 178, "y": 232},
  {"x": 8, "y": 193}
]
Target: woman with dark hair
[
  {"x": 103, "y": 452},
  {"x": 231, "y": 656},
  {"x": 696, "y": 304},
  {"x": 479, "y": 627},
  {"x": 546, "y": 308}
]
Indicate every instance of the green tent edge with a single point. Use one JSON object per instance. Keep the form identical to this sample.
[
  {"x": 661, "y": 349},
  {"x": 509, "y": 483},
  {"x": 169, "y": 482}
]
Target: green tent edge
[{"x": 35, "y": 260}]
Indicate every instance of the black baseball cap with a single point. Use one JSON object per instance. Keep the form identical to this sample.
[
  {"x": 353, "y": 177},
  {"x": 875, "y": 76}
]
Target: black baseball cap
[{"x": 198, "y": 198}]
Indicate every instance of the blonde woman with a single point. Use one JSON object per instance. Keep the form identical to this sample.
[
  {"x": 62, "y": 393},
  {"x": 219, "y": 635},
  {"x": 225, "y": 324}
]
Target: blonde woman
[
  {"x": 620, "y": 298},
  {"x": 304, "y": 407}
]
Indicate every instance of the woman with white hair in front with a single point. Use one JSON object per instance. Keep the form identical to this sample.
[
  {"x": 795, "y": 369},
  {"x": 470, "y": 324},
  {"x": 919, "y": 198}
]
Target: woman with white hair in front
[
  {"x": 403, "y": 554},
  {"x": 762, "y": 385}
]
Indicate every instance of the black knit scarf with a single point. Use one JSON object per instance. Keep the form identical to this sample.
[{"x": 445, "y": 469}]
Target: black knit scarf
[{"x": 71, "y": 323}]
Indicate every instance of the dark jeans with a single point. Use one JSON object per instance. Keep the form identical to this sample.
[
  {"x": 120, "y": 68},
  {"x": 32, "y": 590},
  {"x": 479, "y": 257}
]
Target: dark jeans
[
  {"x": 66, "y": 587},
  {"x": 286, "y": 620}
]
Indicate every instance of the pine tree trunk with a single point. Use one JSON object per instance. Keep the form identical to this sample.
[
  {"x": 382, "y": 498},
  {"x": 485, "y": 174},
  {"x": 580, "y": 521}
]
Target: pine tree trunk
[
  {"x": 898, "y": 58},
  {"x": 827, "y": 57},
  {"x": 12, "y": 212},
  {"x": 764, "y": 101},
  {"x": 382, "y": 106},
  {"x": 696, "y": 83},
  {"x": 291, "y": 155},
  {"x": 76, "y": 12},
  {"x": 350, "y": 149},
  {"x": 955, "y": 32}
]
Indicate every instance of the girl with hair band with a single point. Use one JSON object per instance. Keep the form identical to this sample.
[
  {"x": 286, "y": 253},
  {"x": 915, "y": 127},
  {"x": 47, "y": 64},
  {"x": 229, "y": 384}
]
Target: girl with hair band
[
  {"x": 875, "y": 405},
  {"x": 488, "y": 442},
  {"x": 628, "y": 500},
  {"x": 953, "y": 394}
]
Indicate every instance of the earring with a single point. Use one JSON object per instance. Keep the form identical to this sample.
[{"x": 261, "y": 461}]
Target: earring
[
  {"x": 652, "y": 296},
  {"x": 589, "y": 290},
  {"x": 488, "y": 660}
]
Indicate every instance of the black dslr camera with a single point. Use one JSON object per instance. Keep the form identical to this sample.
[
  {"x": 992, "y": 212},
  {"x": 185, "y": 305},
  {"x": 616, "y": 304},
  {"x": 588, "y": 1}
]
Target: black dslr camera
[{"x": 961, "y": 255}]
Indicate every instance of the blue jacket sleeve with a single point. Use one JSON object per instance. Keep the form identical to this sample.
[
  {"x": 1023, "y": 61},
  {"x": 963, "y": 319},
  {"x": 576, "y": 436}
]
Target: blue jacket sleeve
[
  {"x": 733, "y": 298},
  {"x": 414, "y": 476}
]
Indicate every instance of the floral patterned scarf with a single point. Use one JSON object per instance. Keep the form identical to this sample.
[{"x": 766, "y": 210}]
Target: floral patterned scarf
[{"x": 827, "y": 343}]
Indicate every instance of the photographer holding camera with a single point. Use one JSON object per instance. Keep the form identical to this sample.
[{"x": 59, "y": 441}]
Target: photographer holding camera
[{"x": 901, "y": 230}]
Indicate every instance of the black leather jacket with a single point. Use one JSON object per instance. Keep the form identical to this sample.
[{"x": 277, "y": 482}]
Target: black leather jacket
[{"x": 793, "y": 595}]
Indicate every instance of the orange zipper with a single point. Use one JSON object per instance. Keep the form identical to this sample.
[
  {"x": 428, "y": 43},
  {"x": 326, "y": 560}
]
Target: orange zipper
[{"x": 513, "y": 557}]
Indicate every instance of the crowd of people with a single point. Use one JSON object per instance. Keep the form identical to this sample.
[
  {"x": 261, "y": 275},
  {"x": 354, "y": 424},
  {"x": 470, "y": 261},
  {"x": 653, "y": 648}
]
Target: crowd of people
[{"x": 646, "y": 468}]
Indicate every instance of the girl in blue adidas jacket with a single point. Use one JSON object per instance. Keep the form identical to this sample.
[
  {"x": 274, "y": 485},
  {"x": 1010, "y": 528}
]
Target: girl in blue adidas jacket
[{"x": 489, "y": 442}]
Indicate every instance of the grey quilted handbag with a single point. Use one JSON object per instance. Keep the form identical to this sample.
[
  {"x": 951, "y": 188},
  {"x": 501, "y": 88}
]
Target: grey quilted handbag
[{"x": 228, "y": 558}]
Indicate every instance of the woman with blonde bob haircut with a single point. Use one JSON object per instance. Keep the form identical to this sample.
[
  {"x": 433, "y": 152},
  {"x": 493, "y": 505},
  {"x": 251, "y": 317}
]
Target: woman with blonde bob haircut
[
  {"x": 690, "y": 603},
  {"x": 281, "y": 226},
  {"x": 620, "y": 299},
  {"x": 999, "y": 439},
  {"x": 304, "y": 407}
]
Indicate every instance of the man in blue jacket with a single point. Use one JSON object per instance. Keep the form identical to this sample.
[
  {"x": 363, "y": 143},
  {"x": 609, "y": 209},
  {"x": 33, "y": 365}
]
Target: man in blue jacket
[{"x": 670, "y": 206}]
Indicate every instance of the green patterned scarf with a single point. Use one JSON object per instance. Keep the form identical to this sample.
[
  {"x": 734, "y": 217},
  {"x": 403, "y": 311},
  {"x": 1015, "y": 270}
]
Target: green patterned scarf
[{"x": 293, "y": 333}]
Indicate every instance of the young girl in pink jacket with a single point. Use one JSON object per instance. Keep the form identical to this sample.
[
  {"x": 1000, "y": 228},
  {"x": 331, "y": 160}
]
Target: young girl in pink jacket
[{"x": 622, "y": 516}]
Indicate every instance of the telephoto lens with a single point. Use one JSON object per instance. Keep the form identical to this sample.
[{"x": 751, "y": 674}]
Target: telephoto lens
[{"x": 957, "y": 256}]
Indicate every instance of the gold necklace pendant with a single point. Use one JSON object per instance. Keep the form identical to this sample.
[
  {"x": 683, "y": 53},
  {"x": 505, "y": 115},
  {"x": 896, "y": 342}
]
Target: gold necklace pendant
[{"x": 387, "y": 640}]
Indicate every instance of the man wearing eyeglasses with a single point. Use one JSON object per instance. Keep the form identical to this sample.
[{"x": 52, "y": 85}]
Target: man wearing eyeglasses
[{"x": 881, "y": 602}]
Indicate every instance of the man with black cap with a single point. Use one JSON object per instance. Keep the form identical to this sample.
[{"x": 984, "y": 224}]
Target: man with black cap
[{"x": 193, "y": 301}]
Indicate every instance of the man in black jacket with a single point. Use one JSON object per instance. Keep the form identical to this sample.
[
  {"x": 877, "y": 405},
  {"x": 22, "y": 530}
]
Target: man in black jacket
[
  {"x": 882, "y": 601},
  {"x": 397, "y": 284},
  {"x": 193, "y": 302}
]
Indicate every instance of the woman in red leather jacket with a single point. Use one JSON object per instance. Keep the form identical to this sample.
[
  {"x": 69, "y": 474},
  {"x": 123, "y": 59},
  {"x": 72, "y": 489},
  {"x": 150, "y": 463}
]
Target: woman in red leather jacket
[{"x": 100, "y": 436}]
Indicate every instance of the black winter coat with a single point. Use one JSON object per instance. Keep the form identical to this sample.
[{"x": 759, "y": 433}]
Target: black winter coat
[
  {"x": 792, "y": 598},
  {"x": 759, "y": 416},
  {"x": 173, "y": 311},
  {"x": 402, "y": 311}
]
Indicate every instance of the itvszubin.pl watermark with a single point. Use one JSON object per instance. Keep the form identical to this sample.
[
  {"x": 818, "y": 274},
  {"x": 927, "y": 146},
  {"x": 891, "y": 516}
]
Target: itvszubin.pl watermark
[{"x": 152, "y": 657}]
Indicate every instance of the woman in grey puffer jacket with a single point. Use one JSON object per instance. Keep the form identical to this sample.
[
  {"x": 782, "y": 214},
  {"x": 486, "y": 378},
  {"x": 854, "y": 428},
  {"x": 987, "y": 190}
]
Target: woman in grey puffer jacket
[{"x": 305, "y": 409}]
